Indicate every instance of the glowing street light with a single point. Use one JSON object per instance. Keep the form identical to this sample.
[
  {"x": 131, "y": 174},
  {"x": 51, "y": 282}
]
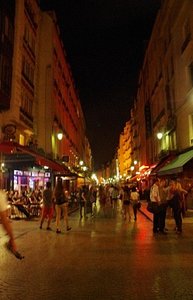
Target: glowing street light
[
  {"x": 60, "y": 135},
  {"x": 159, "y": 135}
]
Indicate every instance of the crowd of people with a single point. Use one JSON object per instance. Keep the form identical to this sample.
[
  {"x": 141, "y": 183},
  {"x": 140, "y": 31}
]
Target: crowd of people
[
  {"x": 167, "y": 195},
  {"x": 163, "y": 195}
]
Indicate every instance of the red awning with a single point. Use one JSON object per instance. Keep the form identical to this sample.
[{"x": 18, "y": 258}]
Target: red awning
[
  {"x": 15, "y": 148},
  {"x": 7, "y": 147}
]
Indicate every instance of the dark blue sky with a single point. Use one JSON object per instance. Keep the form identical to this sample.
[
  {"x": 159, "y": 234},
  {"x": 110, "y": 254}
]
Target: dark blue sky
[{"x": 105, "y": 42}]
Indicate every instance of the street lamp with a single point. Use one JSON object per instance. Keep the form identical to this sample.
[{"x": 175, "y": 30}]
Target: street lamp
[
  {"x": 60, "y": 135},
  {"x": 81, "y": 163},
  {"x": 159, "y": 135}
]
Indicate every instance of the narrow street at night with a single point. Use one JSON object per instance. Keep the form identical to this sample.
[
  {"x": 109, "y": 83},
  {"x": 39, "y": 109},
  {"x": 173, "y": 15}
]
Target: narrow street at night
[{"x": 100, "y": 258}]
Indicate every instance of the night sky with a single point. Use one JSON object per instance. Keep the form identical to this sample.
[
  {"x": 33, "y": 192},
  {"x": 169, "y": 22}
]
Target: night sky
[{"x": 105, "y": 42}]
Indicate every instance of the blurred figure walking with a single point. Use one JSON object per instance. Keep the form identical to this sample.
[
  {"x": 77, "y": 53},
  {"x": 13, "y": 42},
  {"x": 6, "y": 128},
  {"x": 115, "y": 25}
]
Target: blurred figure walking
[
  {"x": 48, "y": 205},
  {"x": 126, "y": 203},
  {"x": 11, "y": 245},
  {"x": 134, "y": 197}
]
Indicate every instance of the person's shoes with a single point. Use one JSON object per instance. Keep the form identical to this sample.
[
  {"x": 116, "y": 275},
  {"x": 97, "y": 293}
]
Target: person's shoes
[
  {"x": 49, "y": 228},
  {"x": 14, "y": 252},
  {"x": 40, "y": 226},
  {"x": 165, "y": 229},
  {"x": 58, "y": 231},
  {"x": 68, "y": 228},
  {"x": 179, "y": 231}
]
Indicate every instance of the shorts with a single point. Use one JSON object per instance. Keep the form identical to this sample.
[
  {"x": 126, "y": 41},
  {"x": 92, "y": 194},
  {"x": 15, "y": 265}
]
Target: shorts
[
  {"x": 47, "y": 212},
  {"x": 3, "y": 201}
]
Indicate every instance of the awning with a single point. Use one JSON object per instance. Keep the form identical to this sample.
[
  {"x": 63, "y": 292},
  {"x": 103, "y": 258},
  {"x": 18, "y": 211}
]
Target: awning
[
  {"x": 163, "y": 162},
  {"x": 176, "y": 165},
  {"x": 16, "y": 153}
]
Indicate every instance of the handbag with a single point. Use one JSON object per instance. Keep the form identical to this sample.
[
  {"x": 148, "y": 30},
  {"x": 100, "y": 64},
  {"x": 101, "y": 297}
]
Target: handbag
[{"x": 154, "y": 208}]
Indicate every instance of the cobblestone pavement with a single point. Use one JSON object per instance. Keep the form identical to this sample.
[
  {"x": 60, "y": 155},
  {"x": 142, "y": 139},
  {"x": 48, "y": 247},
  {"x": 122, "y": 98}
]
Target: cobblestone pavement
[{"x": 100, "y": 258}]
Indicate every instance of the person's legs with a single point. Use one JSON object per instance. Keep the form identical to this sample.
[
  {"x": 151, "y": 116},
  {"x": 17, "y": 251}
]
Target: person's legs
[
  {"x": 42, "y": 218},
  {"x": 58, "y": 216},
  {"x": 135, "y": 211},
  {"x": 155, "y": 222},
  {"x": 178, "y": 219},
  {"x": 50, "y": 215},
  {"x": 66, "y": 216},
  {"x": 162, "y": 217},
  {"x": 8, "y": 228},
  {"x": 81, "y": 208}
]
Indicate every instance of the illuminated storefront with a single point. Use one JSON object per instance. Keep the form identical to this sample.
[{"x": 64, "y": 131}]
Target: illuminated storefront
[{"x": 35, "y": 179}]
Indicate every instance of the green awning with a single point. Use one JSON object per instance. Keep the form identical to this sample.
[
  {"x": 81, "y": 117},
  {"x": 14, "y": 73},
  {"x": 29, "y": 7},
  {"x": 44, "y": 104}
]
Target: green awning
[{"x": 176, "y": 165}]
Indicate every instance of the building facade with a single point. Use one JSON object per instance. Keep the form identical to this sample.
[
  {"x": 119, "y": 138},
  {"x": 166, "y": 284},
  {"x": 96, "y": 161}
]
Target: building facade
[
  {"x": 42, "y": 125},
  {"x": 161, "y": 117}
]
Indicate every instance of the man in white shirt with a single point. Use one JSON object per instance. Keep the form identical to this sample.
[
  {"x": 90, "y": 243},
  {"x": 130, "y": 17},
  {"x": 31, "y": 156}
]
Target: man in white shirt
[{"x": 155, "y": 198}]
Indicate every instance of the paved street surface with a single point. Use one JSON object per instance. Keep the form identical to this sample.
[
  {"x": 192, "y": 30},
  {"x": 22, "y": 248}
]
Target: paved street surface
[{"x": 101, "y": 258}]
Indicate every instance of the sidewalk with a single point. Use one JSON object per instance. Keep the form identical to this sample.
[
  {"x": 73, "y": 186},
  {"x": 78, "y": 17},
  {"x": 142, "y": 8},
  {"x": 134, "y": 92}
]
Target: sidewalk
[{"x": 187, "y": 219}]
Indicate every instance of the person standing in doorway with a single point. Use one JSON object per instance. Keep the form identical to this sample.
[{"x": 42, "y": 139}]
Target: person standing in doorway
[{"x": 48, "y": 205}]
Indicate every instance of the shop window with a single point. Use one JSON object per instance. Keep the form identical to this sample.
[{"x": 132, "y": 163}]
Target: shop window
[
  {"x": 21, "y": 139},
  {"x": 191, "y": 129},
  {"x": 172, "y": 140}
]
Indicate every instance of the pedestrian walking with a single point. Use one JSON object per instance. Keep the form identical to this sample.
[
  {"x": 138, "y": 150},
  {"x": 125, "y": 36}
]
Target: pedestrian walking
[
  {"x": 126, "y": 203},
  {"x": 102, "y": 199},
  {"x": 48, "y": 206},
  {"x": 11, "y": 245},
  {"x": 114, "y": 195},
  {"x": 134, "y": 197},
  {"x": 61, "y": 205}
]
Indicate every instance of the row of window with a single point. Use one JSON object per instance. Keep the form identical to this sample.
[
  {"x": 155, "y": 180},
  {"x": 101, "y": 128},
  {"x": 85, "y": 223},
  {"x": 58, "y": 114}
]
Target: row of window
[
  {"x": 26, "y": 104},
  {"x": 28, "y": 70},
  {"x": 29, "y": 38},
  {"x": 5, "y": 75}
]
